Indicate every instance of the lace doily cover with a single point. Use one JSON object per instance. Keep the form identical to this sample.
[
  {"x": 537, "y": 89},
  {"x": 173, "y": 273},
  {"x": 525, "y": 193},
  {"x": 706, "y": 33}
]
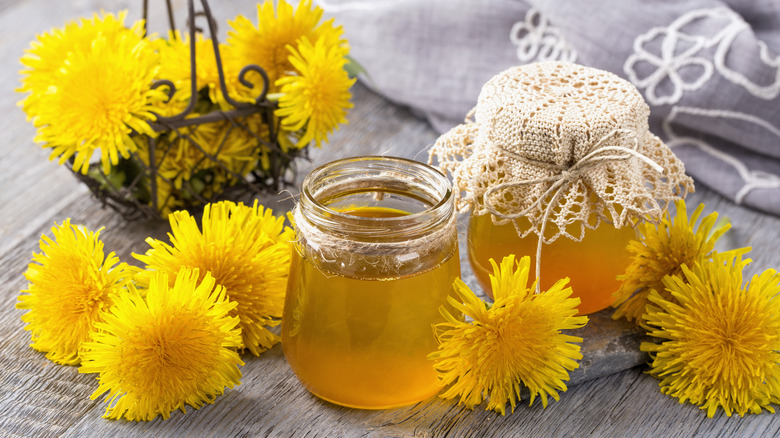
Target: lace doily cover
[{"x": 532, "y": 124}]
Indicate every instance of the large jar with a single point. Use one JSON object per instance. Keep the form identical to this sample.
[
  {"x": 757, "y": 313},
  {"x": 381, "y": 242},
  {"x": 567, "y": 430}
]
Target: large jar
[
  {"x": 375, "y": 259},
  {"x": 556, "y": 161}
]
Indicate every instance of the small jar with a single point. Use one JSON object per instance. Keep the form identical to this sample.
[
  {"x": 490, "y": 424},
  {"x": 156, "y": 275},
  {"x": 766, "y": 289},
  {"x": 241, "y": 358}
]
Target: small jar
[
  {"x": 591, "y": 264},
  {"x": 375, "y": 258}
]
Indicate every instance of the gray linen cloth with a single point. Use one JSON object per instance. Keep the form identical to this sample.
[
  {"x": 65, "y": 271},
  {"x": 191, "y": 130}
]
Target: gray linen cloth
[{"x": 709, "y": 70}]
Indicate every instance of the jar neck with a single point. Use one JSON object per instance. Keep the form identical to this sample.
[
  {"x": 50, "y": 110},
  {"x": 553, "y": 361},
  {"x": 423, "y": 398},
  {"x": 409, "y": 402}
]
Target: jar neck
[
  {"x": 421, "y": 237},
  {"x": 421, "y": 194}
]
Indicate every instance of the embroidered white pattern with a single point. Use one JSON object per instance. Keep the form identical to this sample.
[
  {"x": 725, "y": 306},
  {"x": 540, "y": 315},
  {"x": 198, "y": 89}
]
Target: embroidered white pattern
[
  {"x": 682, "y": 46},
  {"x": 754, "y": 179},
  {"x": 537, "y": 40}
]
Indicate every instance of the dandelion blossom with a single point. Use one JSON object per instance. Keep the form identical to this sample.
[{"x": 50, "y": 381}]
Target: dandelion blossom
[
  {"x": 719, "y": 340},
  {"x": 174, "y": 348},
  {"x": 97, "y": 98},
  {"x": 48, "y": 53},
  {"x": 267, "y": 44},
  {"x": 235, "y": 148},
  {"x": 515, "y": 341},
  {"x": 70, "y": 282},
  {"x": 174, "y": 54},
  {"x": 175, "y": 51},
  {"x": 662, "y": 251},
  {"x": 183, "y": 153},
  {"x": 317, "y": 98},
  {"x": 246, "y": 249}
]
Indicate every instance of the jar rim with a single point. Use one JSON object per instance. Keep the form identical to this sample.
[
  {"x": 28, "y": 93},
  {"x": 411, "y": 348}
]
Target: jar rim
[{"x": 359, "y": 226}]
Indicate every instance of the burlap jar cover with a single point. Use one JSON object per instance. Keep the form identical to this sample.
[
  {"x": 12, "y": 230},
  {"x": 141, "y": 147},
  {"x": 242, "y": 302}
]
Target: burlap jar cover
[{"x": 556, "y": 148}]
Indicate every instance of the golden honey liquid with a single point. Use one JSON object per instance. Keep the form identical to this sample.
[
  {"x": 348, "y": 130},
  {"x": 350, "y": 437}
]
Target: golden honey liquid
[
  {"x": 361, "y": 342},
  {"x": 591, "y": 264}
]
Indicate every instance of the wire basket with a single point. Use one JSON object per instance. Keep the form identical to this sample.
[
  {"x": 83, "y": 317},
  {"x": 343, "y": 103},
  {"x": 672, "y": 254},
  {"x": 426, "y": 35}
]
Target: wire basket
[{"x": 187, "y": 164}]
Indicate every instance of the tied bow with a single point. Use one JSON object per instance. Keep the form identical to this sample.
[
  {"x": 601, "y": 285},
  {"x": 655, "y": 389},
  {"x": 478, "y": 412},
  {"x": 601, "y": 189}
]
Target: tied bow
[{"x": 562, "y": 180}]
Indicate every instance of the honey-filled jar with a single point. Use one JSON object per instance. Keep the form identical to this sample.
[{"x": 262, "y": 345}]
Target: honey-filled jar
[
  {"x": 591, "y": 264},
  {"x": 557, "y": 162},
  {"x": 375, "y": 258}
]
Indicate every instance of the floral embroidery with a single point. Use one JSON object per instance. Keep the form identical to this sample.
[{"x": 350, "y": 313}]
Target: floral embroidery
[
  {"x": 754, "y": 179},
  {"x": 680, "y": 55},
  {"x": 537, "y": 40}
]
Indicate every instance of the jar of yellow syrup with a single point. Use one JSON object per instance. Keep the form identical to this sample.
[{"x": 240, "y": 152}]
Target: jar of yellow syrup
[
  {"x": 556, "y": 162},
  {"x": 591, "y": 264},
  {"x": 375, "y": 258}
]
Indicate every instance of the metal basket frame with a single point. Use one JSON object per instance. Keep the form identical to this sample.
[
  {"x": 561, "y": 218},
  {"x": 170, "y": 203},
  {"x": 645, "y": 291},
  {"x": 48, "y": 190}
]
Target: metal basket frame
[{"x": 122, "y": 199}]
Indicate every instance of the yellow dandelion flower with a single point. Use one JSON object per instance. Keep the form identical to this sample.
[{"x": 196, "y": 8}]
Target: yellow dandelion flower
[
  {"x": 98, "y": 97},
  {"x": 70, "y": 282},
  {"x": 235, "y": 145},
  {"x": 174, "y": 55},
  {"x": 168, "y": 197},
  {"x": 47, "y": 54},
  {"x": 174, "y": 348},
  {"x": 201, "y": 160},
  {"x": 719, "y": 340},
  {"x": 182, "y": 154},
  {"x": 661, "y": 251},
  {"x": 316, "y": 99},
  {"x": 246, "y": 249},
  {"x": 270, "y": 159},
  {"x": 207, "y": 73},
  {"x": 175, "y": 67},
  {"x": 266, "y": 45},
  {"x": 517, "y": 340}
]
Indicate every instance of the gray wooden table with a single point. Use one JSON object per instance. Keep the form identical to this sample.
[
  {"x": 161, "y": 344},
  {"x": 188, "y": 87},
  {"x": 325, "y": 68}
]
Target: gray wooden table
[{"x": 611, "y": 396}]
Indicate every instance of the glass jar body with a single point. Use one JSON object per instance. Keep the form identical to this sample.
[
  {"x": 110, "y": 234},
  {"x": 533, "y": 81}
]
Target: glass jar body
[
  {"x": 592, "y": 264},
  {"x": 366, "y": 286}
]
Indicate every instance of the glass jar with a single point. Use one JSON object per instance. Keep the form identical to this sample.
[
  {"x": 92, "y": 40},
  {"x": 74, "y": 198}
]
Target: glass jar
[
  {"x": 592, "y": 264},
  {"x": 375, "y": 258}
]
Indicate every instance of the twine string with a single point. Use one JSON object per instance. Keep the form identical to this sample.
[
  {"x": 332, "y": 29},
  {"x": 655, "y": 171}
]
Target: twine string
[{"x": 562, "y": 180}]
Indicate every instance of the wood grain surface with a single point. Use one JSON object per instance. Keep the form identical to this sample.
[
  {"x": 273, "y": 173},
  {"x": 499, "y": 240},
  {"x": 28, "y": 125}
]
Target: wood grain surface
[{"x": 41, "y": 399}]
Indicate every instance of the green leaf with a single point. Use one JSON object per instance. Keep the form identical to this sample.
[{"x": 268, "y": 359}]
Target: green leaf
[{"x": 354, "y": 68}]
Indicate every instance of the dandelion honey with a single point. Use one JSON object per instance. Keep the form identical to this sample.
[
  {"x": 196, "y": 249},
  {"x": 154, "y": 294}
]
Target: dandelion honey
[
  {"x": 592, "y": 264},
  {"x": 375, "y": 260},
  {"x": 362, "y": 342}
]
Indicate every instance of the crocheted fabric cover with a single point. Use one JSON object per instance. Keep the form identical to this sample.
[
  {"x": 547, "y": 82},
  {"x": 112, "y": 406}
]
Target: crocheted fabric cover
[{"x": 560, "y": 135}]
